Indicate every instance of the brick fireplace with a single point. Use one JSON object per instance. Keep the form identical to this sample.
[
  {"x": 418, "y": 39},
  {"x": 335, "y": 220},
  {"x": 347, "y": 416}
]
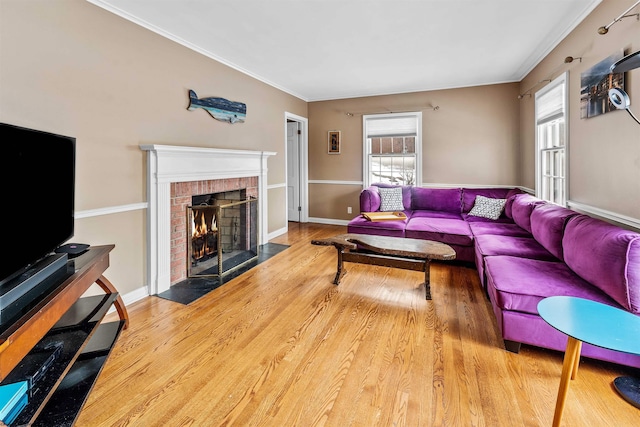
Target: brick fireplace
[{"x": 175, "y": 173}]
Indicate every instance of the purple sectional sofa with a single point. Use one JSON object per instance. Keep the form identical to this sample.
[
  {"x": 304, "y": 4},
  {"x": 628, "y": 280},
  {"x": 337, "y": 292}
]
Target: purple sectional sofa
[{"x": 533, "y": 250}]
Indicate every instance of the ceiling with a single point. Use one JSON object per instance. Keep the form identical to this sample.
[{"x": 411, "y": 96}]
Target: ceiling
[{"x": 333, "y": 49}]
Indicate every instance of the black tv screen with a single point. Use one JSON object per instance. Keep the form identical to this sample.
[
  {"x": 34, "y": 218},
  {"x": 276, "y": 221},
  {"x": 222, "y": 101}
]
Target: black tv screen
[{"x": 38, "y": 176}]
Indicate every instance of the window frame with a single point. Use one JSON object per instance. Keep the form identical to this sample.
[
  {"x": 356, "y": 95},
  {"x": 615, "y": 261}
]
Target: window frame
[
  {"x": 562, "y": 80},
  {"x": 366, "y": 144}
]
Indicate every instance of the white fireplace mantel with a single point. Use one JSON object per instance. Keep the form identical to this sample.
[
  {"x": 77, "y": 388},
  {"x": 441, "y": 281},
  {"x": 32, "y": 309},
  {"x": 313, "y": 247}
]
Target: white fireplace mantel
[{"x": 167, "y": 164}]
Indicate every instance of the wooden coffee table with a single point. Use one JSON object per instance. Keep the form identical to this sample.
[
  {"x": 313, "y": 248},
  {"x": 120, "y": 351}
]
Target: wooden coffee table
[{"x": 395, "y": 252}]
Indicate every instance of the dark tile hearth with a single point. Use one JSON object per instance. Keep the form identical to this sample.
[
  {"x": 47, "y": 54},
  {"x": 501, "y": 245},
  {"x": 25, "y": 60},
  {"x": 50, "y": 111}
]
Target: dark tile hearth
[{"x": 191, "y": 289}]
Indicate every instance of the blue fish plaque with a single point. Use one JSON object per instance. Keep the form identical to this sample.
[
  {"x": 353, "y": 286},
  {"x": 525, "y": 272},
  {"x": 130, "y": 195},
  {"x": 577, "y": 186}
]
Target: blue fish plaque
[{"x": 219, "y": 108}]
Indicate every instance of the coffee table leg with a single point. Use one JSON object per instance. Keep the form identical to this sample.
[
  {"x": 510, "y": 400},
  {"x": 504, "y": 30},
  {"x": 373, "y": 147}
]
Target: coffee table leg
[
  {"x": 569, "y": 371},
  {"x": 341, "y": 270},
  {"x": 427, "y": 278}
]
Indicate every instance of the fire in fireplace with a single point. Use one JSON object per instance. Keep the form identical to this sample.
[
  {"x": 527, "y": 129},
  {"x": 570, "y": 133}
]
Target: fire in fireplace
[
  {"x": 204, "y": 233},
  {"x": 223, "y": 233}
]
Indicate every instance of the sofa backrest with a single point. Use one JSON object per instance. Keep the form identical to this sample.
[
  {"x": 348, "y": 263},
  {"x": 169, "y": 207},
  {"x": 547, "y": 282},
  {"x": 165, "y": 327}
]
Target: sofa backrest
[
  {"x": 469, "y": 195},
  {"x": 521, "y": 209},
  {"x": 548, "y": 222},
  {"x": 436, "y": 199},
  {"x": 370, "y": 196},
  {"x": 406, "y": 192},
  {"x": 508, "y": 207},
  {"x": 606, "y": 256}
]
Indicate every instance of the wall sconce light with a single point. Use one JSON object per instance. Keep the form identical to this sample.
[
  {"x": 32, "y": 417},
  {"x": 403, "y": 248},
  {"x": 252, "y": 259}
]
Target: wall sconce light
[
  {"x": 617, "y": 96},
  {"x": 528, "y": 91},
  {"x": 570, "y": 59},
  {"x": 604, "y": 30}
]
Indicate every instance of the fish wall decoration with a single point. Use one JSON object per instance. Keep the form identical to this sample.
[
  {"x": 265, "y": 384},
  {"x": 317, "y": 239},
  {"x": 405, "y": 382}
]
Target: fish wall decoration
[{"x": 219, "y": 108}]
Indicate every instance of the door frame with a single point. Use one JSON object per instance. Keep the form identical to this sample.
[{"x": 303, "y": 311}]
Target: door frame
[{"x": 304, "y": 164}]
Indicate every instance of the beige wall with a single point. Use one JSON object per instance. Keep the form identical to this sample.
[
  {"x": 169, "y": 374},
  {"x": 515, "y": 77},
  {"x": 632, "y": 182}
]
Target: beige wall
[
  {"x": 69, "y": 67},
  {"x": 472, "y": 139},
  {"x": 604, "y": 151}
]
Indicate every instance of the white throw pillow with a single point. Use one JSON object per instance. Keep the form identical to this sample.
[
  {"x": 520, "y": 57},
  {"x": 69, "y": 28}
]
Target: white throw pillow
[
  {"x": 488, "y": 208},
  {"x": 391, "y": 199}
]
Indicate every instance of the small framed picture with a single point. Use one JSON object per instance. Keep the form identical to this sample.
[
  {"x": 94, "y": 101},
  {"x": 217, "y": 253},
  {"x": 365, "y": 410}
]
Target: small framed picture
[{"x": 334, "y": 142}]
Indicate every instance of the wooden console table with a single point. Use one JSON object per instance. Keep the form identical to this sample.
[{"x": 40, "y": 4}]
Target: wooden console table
[
  {"x": 58, "y": 314},
  {"x": 395, "y": 252}
]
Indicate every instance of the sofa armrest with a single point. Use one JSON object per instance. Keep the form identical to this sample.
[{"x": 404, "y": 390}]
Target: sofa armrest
[{"x": 369, "y": 199}]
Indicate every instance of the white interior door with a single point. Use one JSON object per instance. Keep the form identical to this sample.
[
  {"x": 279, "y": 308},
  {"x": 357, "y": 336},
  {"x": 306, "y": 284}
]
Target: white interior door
[{"x": 293, "y": 171}]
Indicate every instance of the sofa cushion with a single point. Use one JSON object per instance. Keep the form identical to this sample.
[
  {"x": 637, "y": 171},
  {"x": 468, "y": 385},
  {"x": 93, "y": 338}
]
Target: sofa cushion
[
  {"x": 436, "y": 199},
  {"x": 519, "y": 284},
  {"x": 498, "y": 228},
  {"x": 435, "y": 214},
  {"x": 486, "y": 207},
  {"x": 361, "y": 225},
  {"x": 487, "y": 245},
  {"x": 391, "y": 199},
  {"x": 521, "y": 209},
  {"x": 503, "y": 219},
  {"x": 369, "y": 199},
  {"x": 445, "y": 230},
  {"x": 523, "y": 247},
  {"x": 606, "y": 256},
  {"x": 547, "y": 226},
  {"x": 469, "y": 195}
]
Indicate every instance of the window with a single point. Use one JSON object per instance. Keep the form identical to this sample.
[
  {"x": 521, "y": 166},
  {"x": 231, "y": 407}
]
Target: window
[
  {"x": 551, "y": 141},
  {"x": 392, "y": 147}
]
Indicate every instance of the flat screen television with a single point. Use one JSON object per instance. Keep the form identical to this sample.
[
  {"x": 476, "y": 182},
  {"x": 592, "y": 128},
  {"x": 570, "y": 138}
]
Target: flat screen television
[{"x": 37, "y": 213}]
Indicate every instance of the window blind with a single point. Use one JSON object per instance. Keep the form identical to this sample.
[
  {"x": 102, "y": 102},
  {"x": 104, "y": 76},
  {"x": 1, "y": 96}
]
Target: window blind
[
  {"x": 550, "y": 106},
  {"x": 392, "y": 126}
]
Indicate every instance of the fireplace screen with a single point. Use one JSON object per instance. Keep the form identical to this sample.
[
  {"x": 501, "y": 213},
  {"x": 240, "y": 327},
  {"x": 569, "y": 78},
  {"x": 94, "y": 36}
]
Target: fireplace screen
[{"x": 223, "y": 237}]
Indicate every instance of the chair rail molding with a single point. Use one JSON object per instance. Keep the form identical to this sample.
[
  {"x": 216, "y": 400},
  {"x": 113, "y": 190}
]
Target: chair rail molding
[{"x": 605, "y": 214}]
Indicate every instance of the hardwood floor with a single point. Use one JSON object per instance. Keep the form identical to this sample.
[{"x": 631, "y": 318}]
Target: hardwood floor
[{"x": 282, "y": 346}]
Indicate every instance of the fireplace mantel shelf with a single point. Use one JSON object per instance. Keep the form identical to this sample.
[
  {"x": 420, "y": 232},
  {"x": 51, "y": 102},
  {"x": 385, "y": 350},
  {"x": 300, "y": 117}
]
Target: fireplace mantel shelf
[
  {"x": 167, "y": 164},
  {"x": 177, "y": 149}
]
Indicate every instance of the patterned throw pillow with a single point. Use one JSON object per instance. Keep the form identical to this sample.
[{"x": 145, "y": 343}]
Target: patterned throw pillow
[
  {"x": 488, "y": 208},
  {"x": 391, "y": 199}
]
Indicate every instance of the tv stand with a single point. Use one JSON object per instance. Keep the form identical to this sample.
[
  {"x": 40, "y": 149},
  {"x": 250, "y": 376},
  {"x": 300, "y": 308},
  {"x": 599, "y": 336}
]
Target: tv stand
[{"x": 59, "y": 314}]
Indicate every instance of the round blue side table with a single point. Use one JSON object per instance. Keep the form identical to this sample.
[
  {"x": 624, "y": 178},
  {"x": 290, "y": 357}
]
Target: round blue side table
[{"x": 594, "y": 323}]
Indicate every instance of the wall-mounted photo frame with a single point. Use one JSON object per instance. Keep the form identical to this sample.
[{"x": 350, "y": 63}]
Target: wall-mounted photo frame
[
  {"x": 595, "y": 84},
  {"x": 334, "y": 142}
]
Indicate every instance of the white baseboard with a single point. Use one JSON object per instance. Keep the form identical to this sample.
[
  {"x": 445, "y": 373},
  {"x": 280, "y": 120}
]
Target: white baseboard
[
  {"x": 276, "y": 233},
  {"x": 133, "y": 296},
  {"x": 329, "y": 221}
]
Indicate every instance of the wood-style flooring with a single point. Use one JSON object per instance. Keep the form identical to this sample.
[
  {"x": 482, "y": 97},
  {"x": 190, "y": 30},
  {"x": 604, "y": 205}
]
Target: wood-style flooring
[{"x": 282, "y": 346}]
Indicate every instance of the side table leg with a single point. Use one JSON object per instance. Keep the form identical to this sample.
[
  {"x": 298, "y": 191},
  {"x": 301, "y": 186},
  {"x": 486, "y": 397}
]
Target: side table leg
[
  {"x": 576, "y": 362},
  {"x": 108, "y": 287},
  {"x": 341, "y": 270},
  {"x": 569, "y": 370}
]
